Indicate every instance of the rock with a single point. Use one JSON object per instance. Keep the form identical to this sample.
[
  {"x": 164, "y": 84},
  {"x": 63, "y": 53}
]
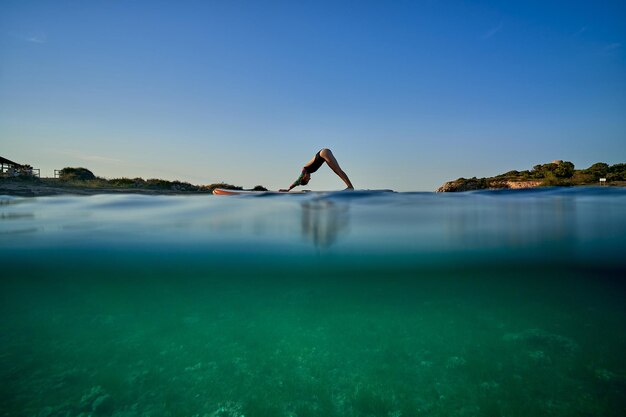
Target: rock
[
  {"x": 96, "y": 401},
  {"x": 454, "y": 362},
  {"x": 463, "y": 185},
  {"x": 604, "y": 375},
  {"x": 540, "y": 341},
  {"x": 486, "y": 184},
  {"x": 103, "y": 405},
  {"x": 522, "y": 184},
  {"x": 196, "y": 367},
  {"x": 86, "y": 401},
  {"x": 488, "y": 386},
  {"x": 540, "y": 358},
  {"x": 228, "y": 409}
]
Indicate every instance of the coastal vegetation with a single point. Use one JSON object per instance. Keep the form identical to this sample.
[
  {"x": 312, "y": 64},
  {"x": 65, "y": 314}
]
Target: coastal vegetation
[
  {"x": 79, "y": 180},
  {"x": 556, "y": 173}
]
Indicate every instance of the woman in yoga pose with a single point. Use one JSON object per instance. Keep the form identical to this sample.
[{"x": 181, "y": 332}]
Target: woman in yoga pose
[{"x": 324, "y": 155}]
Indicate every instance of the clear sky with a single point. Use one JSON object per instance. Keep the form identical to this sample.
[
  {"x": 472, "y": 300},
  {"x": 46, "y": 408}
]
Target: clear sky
[{"x": 407, "y": 94}]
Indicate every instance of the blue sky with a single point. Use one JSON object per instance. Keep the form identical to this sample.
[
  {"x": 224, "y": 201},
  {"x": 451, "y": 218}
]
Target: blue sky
[{"x": 407, "y": 94}]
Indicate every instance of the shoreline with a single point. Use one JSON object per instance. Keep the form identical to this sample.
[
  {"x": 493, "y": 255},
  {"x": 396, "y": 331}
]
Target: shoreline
[{"x": 44, "y": 188}]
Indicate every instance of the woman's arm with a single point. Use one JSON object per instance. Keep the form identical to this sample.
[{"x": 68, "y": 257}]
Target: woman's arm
[{"x": 296, "y": 182}]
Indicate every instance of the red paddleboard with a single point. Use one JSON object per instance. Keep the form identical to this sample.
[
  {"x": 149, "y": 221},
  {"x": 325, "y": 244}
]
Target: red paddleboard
[{"x": 223, "y": 191}]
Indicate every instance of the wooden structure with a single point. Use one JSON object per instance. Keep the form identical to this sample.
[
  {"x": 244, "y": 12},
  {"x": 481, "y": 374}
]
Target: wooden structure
[
  {"x": 6, "y": 165},
  {"x": 13, "y": 169}
]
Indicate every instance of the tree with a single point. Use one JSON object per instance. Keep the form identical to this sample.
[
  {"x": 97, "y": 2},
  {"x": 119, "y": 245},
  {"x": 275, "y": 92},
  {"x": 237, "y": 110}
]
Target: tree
[
  {"x": 564, "y": 170},
  {"x": 598, "y": 170},
  {"x": 543, "y": 171},
  {"x": 617, "y": 172},
  {"x": 81, "y": 174}
]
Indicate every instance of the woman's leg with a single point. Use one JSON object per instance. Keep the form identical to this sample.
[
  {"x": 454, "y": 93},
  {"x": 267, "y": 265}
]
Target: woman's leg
[{"x": 334, "y": 165}]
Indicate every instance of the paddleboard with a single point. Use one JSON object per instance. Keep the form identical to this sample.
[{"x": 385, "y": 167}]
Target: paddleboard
[{"x": 223, "y": 191}]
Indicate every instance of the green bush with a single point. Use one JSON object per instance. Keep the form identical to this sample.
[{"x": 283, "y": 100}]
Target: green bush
[
  {"x": 79, "y": 174},
  {"x": 581, "y": 177},
  {"x": 223, "y": 185},
  {"x": 122, "y": 182},
  {"x": 550, "y": 180},
  {"x": 158, "y": 183}
]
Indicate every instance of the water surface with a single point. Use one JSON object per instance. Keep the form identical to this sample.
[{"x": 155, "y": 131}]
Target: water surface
[{"x": 338, "y": 304}]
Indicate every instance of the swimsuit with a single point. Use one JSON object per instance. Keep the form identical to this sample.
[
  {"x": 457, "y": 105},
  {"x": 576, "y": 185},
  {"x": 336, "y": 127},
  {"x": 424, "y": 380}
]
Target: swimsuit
[{"x": 316, "y": 164}]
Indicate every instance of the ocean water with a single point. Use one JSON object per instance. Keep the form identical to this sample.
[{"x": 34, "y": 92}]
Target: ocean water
[{"x": 508, "y": 303}]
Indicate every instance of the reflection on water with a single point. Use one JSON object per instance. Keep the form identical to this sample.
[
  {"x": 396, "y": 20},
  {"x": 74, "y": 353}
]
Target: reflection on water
[
  {"x": 580, "y": 222},
  {"x": 323, "y": 221},
  {"x": 509, "y": 223},
  {"x": 15, "y": 218}
]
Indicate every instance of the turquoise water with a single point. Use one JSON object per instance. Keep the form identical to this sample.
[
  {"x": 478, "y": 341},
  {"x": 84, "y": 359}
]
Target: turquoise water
[{"x": 338, "y": 304}]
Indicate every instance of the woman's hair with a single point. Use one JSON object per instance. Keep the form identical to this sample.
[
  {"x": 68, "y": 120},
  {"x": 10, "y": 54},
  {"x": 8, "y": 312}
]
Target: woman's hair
[{"x": 301, "y": 180}]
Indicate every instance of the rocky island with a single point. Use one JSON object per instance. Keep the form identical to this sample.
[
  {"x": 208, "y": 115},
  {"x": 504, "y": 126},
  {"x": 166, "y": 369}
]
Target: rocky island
[{"x": 555, "y": 173}]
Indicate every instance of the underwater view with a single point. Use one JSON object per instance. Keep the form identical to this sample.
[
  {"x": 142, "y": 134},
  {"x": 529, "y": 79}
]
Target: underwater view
[{"x": 488, "y": 303}]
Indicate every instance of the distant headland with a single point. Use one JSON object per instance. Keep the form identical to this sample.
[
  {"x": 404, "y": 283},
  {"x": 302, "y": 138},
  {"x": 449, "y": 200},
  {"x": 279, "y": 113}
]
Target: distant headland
[{"x": 555, "y": 173}]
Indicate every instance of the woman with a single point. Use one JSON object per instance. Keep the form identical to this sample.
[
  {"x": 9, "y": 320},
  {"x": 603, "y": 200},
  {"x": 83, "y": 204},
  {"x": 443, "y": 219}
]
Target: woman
[{"x": 325, "y": 155}]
